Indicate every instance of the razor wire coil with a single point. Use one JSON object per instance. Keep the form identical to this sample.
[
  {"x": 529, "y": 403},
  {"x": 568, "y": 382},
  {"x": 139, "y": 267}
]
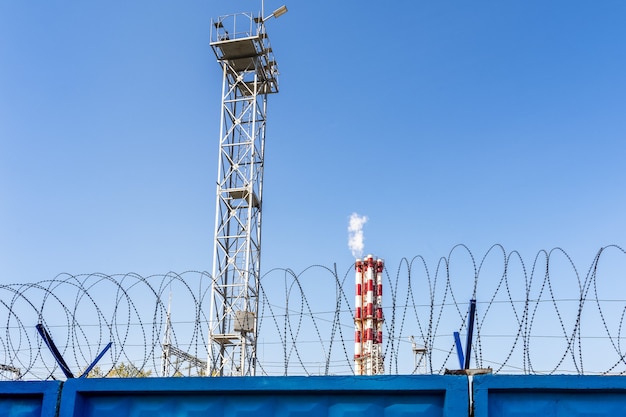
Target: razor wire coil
[{"x": 539, "y": 318}]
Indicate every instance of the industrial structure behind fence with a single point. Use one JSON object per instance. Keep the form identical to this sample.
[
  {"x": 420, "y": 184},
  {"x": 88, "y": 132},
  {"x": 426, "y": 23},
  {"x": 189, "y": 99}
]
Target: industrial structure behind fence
[{"x": 538, "y": 317}]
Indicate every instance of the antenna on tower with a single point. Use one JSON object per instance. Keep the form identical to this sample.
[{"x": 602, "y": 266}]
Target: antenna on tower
[{"x": 249, "y": 74}]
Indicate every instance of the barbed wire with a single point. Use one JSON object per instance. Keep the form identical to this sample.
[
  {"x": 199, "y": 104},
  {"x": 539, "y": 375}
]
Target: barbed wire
[{"x": 543, "y": 317}]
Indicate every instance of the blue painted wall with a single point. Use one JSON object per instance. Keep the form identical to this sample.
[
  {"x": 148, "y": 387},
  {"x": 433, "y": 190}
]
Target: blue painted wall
[
  {"x": 547, "y": 396},
  {"x": 384, "y": 396},
  {"x": 29, "y": 399},
  {"x": 389, "y": 396}
]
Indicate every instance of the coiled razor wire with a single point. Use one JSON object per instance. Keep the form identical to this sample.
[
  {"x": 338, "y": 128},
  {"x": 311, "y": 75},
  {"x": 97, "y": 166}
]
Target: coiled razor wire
[{"x": 543, "y": 317}]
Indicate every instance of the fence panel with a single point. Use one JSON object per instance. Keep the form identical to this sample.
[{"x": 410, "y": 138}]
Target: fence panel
[
  {"x": 547, "y": 396},
  {"x": 389, "y": 396},
  {"x": 29, "y": 398}
]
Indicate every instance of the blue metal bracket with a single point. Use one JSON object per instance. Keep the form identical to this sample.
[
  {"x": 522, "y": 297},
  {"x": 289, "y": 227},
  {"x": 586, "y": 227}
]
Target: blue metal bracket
[
  {"x": 55, "y": 352},
  {"x": 459, "y": 349},
  {"x": 59, "y": 358},
  {"x": 470, "y": 334},
  {"x": 464, "y": 360},
  {"x": 95, "y": 361}
]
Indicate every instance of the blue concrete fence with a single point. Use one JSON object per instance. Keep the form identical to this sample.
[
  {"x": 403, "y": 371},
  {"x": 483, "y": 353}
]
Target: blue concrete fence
[
  {"x": 267, "y": 396},
  {"x": 385, "y": 396},
  {"x": 547, "y": 396},
  {"x": 389, "y": 396},
  {"x": 29, "y": 399}
]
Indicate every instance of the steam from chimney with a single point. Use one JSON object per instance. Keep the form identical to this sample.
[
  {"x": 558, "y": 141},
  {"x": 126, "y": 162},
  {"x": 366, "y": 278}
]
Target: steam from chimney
[{"x": 355, "y": 234}]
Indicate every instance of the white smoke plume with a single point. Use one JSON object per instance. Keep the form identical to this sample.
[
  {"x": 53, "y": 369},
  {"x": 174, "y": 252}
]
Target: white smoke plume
[{"x": 355, "y": 234}]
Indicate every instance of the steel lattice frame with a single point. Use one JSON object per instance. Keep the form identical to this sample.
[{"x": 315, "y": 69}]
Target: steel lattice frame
[{"x": 249, "y": 75}]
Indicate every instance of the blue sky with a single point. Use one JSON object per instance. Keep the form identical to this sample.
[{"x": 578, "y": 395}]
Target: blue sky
[{"x": 443, "y": 122}]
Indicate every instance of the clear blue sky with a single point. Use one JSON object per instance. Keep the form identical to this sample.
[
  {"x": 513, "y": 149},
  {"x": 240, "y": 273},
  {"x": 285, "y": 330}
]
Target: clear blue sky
[{"x": 443, "y": 122}]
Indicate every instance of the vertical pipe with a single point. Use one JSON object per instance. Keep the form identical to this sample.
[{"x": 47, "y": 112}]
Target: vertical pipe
[
  {"x": 358, "y": 318},
  {"x": 379, "y": 316},
  {"x": 379, "y": 300},
  {"x": 369, "y": 317}
]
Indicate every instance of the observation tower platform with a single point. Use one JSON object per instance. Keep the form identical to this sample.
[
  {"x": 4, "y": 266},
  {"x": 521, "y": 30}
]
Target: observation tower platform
[{"x": 240, "y": 42}]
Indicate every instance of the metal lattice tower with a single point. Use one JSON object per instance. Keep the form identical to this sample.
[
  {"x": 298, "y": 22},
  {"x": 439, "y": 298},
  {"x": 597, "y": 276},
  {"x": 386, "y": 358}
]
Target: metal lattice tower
[{"x": 249, "y": 75}]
